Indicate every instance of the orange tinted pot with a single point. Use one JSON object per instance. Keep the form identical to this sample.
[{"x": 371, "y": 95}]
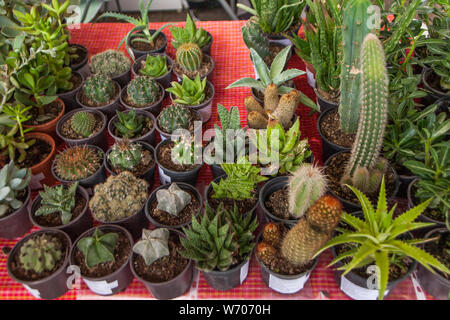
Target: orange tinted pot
[
  {"x": 49, "y": 127},
  {"x": 41, "y": 171}
]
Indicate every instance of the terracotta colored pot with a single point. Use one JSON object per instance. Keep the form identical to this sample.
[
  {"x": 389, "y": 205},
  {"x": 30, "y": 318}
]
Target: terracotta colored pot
[
  {"x": 41, "y": 172},
  {"x": 49, "y": 127}
]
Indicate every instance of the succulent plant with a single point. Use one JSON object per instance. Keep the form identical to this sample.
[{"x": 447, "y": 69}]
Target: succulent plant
[
  {"x": 189, "y": 33},
  {"x": 312, "y": 231},
  {"x": 154, "y": 66},
  {"x": 307, "y": 184},
  {"x": 130, "y": 124},
  {"x": 40, "y": 253},
  {"x": 175, "y": 117},
  {"x": 98, "y": 248},
  {"x": 58, "y": 199},
  {"x": 110, "y": 63},
  {"x": 173, "y": 199},
  {"x": 143, "y": 91},
  {"x": 189, "y": 56},
  {"x": 83, "y": 123},
  {"x": 185, "y": 151},
  {"x": 272, "y": 234},
  {"x": 265, "y": 252},
  {"x": 125, "y": 155},
  {"x": 77, "y": 163},
  {"x": 98, "y": 89},
  {"x": 12, "y": 180},
  {"x": 190, "y": 92},
  {"x": 255, "y": 39},
  {"x": 153, "y": 245},
  {"x": 119, "y": 197}
]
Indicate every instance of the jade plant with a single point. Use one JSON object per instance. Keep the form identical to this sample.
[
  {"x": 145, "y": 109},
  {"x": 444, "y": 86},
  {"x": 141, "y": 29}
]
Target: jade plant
[
  {"x": 83, "y": 123},
  {"x": 190, "y": 92},
  {"x": 41, "y": 253},
  {"x": 189, "y": 56},
  {"x": 58, "y": 199},
  {"x": 130, "y": 124},
  {"x": 173, "y": 199},
  {"x": 98, "y": 90},
  {"x": 12, "y": 181},
  {"x": 190, "y": 33},
  {"x": 110, "y": 63},
  {"x": 142, "y": 91},
  {"x": 153, "y": 245},
  {"x": 125, "y": 155},
  {"x": 175, "y": 117},
  {"x": 380, "y": 238},
  {"x": 77, "y": 163},
  {"x": 98, "y": 248},
  {"x": 154, "y": 66}
]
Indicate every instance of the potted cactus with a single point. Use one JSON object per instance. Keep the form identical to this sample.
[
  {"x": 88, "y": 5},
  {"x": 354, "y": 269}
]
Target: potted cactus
[
  {"x": 136, "y": 157},
  {"x": 288, "y": 256},
  {"x": 39, "y": 262},
  {"x": 173, "y": 205},
  {"x": 112, "y": 64},
  {"x": 15, "y": 195},
  {"x": 84, "y": 164},
  {"x": 120, "y": 201},
  {"x": 83, "y": 126},
  {"x": 191, "y": 61},
  {"x": 195, "y": 94},
  {"x": 62, "y": 208},
  {"x": 176, "y": 117},
  {"x": 101, "y": 93},
  {"x": 143, "y": 93},
  {"x": 158, "y": 264},
  {"x": 221, "y": 242},
  {"x": 287, "y": 199},
  {"x": 157, "y": 66},
  {"x": 103, "y": 255},
  {"x": 190, "y": 33},
  {"x": 133, "y": 125}
]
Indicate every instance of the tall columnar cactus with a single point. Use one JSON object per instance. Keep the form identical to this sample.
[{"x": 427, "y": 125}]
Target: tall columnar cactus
[
  {"x": 125, "y": 155},
  {"x": 77, "y": 163},
  {"x": 189, "y": 56},
  {"x": 306, "y": 186},
  {"x": 40, "y": 253},
  {"x": 98, "y": 89},
  {"x": 312, "y": 232},
  {"x": 355, "y": 28},
  {"x": 142, "y": 91},
  {"x": 364, "y": 164},
  {"x": 83, "y": 123},
  {"x": 111, "y": 63},
  {"x": 254, "y": 38},
  {"x": 175, "y": 117}
]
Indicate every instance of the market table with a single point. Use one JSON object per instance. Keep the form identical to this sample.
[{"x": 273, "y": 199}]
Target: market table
[{"x": 232, "y": 62}]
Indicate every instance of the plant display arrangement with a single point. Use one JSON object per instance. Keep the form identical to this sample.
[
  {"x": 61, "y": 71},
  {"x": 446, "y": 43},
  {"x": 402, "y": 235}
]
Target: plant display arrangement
[
  {"x": 189, "y": 34},
  {"x": 13, "y": 188},
  {"x": 77, "y": 163},
  {"x": 121, "y": 196},
  {"x": 131, "y": 125},
  {"x": 380, "y": 239},
  {"x": 110, "y": 63},
  {"x": 154, "y": 66},
  {"x": 191, "y": 61},
  {"x": 176, "y": 117},
  {"x": 98, "y": 90},
  {"x": 142, "y": 91},
  {"x": 129, "y": 156},
  {"x": 189, "y": 92}
]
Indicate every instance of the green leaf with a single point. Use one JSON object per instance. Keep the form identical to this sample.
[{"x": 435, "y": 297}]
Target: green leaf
[
  {"x": 382, "y": 261},
  {"x": 279, "y": 62}
]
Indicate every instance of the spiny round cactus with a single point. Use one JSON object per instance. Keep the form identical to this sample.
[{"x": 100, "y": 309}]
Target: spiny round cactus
[
  {"x": 175, "y": 117},
  {"x": 83, "y": 123},
  {"x": 272, "y": 234},
  {"x": 98, "y": 89},
  {"x": 265, "y": 252},
  {"x": 142, "y": 91},
  {"x": 40, "y": 253},
  {"x": 110, "y": 63},
  {"x": 77, "y": 163},
  {"x": 189, "y": 56},
  {"x": 125, "y": 155}
]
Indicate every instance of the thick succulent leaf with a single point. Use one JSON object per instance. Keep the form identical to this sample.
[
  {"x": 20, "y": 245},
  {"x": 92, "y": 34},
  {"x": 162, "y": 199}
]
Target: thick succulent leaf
[
  {"x": 382, "y": 261},
  {"x": 279, "y": 62}
]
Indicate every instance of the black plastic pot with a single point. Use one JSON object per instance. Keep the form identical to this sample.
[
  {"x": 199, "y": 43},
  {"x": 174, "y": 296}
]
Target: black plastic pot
[
  {"x": 148, "y": 176},
  {"x": 112, "y": 283},
  {"x": 168, "y": 176},
  {"x": 83, "y": 66},
  {"x": 183, "y": 186},
  {"x": 17, "y": 223},
  {"x": 70, "y": 97},
  {"x": 163, "y": 80},
  {"x": 227, "y": 280},
  {"x": 153, "y": 108},
  {"x": 433, "y": 94},
  {"x": 140, "y": 53},
  {"x": 109, "y": 109},
  {"x": 323, "y": 103},
  {"x": 74, "y": 228},
  {"x": 205, "y": 108},
  {"x": 169, "y": 136},
  {"x": 172, "y": 288},
  {"x": 208, "y": 75},
  {"x": 149, "y": 137},
  {"x": 328, "y": 147},
  {"x": 206, "y": 49},
  {"x": 123, "y": 78},
  {"x": 443, "y": 105},
  {"x": 98, "y": 177},
  {"x": 98, "y": 139},
  {"x": 52, "y": 286},
  {"x": 404, "y": 181},
  {"x": 434, "y": 283}
]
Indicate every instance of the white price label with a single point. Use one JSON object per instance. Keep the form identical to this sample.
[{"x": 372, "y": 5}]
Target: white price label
[
  {"x": 34, "y": 292},
  {"x": 358, "y": 293},
  {"x": 287, "y": 286},
  {"x": 244, "y": 271},
  {"x": 164, "y": 178},
  {"x": 101, "y": 287}
]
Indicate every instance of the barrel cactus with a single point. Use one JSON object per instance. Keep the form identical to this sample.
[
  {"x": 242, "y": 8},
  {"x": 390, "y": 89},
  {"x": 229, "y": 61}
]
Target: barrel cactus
[
  {"x": 110, "y": 63},
  {"x": 77, "y": 163},
  {"x": 175, "y": 117},
  {"x": 142, "y": 91},
  {"x": 189, "y": 56},
  {"x": 98, "y": 89},
  {"x": 125, "y": 155},
  {"x": 83, "y": 123},
  {"x": 40, "y": 253}
]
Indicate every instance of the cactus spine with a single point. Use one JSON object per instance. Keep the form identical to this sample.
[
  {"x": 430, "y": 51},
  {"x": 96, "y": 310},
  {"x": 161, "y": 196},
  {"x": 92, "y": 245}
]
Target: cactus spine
[
  {"x": 142, "y": 91},
  {"x": 83, "y": 123},
  {"x": 189, "y": 56},
  {"x": 98, "y": 89},
  {"x": 355, "y": 28},
  {"x": 175, "y": 117}
]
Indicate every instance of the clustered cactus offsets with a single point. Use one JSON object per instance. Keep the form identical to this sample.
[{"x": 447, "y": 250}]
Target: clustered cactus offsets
[
  {"x": 119, "y": 197},
  {"x": 142, "y": 91},
  {"x": 83, "y": 123},
  {"x": 98, "y": 90},
  {"x": 175, "y": 117},
  {"x": 110, "y": 63},
  {"x": 41, "y": 253},
  {"x": 189, "y": 56},
  {"x": 77, "y": 163}
]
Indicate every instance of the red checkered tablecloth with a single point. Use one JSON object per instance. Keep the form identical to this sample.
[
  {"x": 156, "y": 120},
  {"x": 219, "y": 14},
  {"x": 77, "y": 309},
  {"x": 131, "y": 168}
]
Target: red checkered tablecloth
[{"x": 232, "y": 62}]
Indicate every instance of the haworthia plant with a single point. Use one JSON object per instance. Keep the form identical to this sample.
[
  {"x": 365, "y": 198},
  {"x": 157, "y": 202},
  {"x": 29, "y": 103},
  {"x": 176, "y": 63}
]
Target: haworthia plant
[
  {"x": 173, "y": 199},
  {"x": 153, "y": 245}
]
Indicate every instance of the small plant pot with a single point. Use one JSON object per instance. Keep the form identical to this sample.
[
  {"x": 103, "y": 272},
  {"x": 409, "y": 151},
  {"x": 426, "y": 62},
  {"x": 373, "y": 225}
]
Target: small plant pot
[
  {"x": 310, "y": 74},
  {"x": 328, "y": 148},
  {"x": 206, "y": 49},
  {"x": 208, "y": 75},
  {"x": 183, "y": 186},
  {"x": 149, "y": 137},
  {"x": 227, "y": 280},
  {"x": 434, "y": 283},
  {"x": 323, "y": 103},
  {"x": 148, "y": 176},
  {"x": 154, "y": 108},
  {"x": 98, "y": 177},
  {"x": 217, "y": 171},
  {"x": 42, "y": 171},
  {"x": 168, "y": 176},
  {"x": 74, "y": 228},
  {"x": 98, "y": 139},
  {"x": 443, "y": 105},
  {"x": 433, "y": 94},
  {"x": 163, "y": 80},
  {"x": 50, "y": 126},
  {"x": 205, "y": 108},
  {"x": 172, "y": 288},
  {"x": 112, "y": 283},
  {"x": 70, "y": 97},
  {"x": 17, "y": 223},
  {"x": 109, "y": 109},
  {"x": 82, "y": 65},
  {"x": 123, "y": 78},
  {"x": 404, "y": 182},
  {"x": 169, "y": 136},
  {"x": 139, "y": 53},
  {"x": 356, "y": 287},
  {"x": 51, "y": 287}
]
